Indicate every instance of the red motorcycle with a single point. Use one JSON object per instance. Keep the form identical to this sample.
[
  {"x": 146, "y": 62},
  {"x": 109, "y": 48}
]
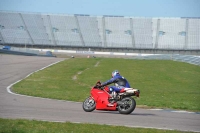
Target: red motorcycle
[{"x": 100, "y": 99}]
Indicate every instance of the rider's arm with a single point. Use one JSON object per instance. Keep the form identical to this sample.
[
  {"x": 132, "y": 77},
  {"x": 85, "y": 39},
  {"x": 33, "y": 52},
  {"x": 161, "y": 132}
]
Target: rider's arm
[{"x": 110, "y": 81}]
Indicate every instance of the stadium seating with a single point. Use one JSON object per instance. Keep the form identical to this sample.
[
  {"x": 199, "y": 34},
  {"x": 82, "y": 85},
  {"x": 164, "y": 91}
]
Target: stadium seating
[
  {"x": 172, "y": 37},
  {"x": 65, "y": 30},
  {"x": 99, "y": 31},
  {"x": 12, "y": 28},
  {"x": 36, "y": 28},
  {"x": 89, "y": 30},
  {"x": 142, "y": 29},
  {"x": 194, "y": 34},
  {"x": 116, "y": 31}
]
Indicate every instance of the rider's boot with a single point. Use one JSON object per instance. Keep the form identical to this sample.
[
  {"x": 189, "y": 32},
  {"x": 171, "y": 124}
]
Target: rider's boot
[
  {"x": 113, "y": 95},
  {"x": 113, "y": 98}
]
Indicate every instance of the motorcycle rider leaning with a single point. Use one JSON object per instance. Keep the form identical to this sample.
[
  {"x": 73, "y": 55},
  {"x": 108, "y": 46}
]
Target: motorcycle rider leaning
[{"x": 119, "y": 81}]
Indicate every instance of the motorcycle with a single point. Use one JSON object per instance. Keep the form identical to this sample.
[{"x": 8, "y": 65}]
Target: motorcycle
[{"x": 100, "y": 99}]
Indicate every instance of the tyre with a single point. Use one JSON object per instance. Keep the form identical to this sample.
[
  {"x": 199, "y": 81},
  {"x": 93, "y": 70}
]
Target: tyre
[
  {"x": 89, "y": 104},
  {"x": 128, "y": 105}
]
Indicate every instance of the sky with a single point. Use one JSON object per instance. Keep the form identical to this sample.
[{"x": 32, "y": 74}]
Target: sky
[{"x": 134, "y": 8}]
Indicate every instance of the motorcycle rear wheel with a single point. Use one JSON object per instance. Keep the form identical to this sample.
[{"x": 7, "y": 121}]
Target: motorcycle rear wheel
[
  {"x": 128, "y": 105},
  {"x": 89, "y": 104}
]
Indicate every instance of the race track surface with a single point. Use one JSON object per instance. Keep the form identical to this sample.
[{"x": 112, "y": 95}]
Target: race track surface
[{"x": 14, "y": 68}]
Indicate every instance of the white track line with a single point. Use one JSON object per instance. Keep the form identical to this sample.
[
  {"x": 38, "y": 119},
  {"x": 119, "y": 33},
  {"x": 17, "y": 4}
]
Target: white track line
[
  {"x": 9, "y": 90},
  {"x": 176, "y": 111}
]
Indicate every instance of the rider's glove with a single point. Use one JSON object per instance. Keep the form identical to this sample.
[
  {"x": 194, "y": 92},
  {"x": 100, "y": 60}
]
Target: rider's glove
[{"x": 98, "y": 86}]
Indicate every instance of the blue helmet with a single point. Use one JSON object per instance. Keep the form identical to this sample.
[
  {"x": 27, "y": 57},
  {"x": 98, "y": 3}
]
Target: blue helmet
[{"x": 114, "y": 73}]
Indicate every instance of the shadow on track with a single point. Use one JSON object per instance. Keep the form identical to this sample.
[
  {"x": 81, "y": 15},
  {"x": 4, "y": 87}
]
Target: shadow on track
[{"x": 116, "y": 112}]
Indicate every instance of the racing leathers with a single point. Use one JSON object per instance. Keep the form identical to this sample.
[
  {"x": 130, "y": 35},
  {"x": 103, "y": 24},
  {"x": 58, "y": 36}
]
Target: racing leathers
[{"x": 119, "y": 81}]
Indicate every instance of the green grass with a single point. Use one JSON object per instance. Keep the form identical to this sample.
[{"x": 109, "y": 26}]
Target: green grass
[
  {"x": 163, "y": 84},
  {"x": 33, "y": 126}
]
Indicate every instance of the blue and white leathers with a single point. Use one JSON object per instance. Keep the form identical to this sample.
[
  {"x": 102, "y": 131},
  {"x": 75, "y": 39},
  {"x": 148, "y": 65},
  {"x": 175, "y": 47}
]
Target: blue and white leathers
[{"x": 119, "y": 81}]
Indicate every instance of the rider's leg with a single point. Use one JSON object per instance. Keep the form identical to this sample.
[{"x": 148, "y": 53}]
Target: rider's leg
[{"x": 114, "y": 90}]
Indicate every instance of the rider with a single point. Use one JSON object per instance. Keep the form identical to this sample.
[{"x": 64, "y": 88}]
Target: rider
[{"x": 119, "y": 81}]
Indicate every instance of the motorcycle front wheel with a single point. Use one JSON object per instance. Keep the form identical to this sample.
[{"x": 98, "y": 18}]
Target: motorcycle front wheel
[
  {"x": 89, "y": 104},
  {"x": 127, "y": 106}
]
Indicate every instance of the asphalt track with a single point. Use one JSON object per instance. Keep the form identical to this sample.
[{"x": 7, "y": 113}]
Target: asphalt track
[{"x": 14, "y": 68}]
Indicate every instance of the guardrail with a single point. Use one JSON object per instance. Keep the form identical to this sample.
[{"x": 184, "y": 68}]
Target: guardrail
[
  {"x": 191, "y": 59},
  {"x": 16, "y": 52},
  {"x": 23, "y": 51},
  {"x": 26, "y": 50}
]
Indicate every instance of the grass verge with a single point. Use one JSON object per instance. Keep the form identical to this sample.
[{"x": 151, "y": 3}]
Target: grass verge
[
  {"x": 33, "y": 126},
  {"x": 163, "y": 84}
]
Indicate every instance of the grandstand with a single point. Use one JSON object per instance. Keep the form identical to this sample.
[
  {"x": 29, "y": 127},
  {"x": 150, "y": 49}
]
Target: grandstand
[{"x": 104, "y": 33}]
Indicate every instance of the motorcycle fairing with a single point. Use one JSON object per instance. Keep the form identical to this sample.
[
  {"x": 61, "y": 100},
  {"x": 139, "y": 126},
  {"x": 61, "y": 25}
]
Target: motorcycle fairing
[{"x": 101, "y": 98}]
